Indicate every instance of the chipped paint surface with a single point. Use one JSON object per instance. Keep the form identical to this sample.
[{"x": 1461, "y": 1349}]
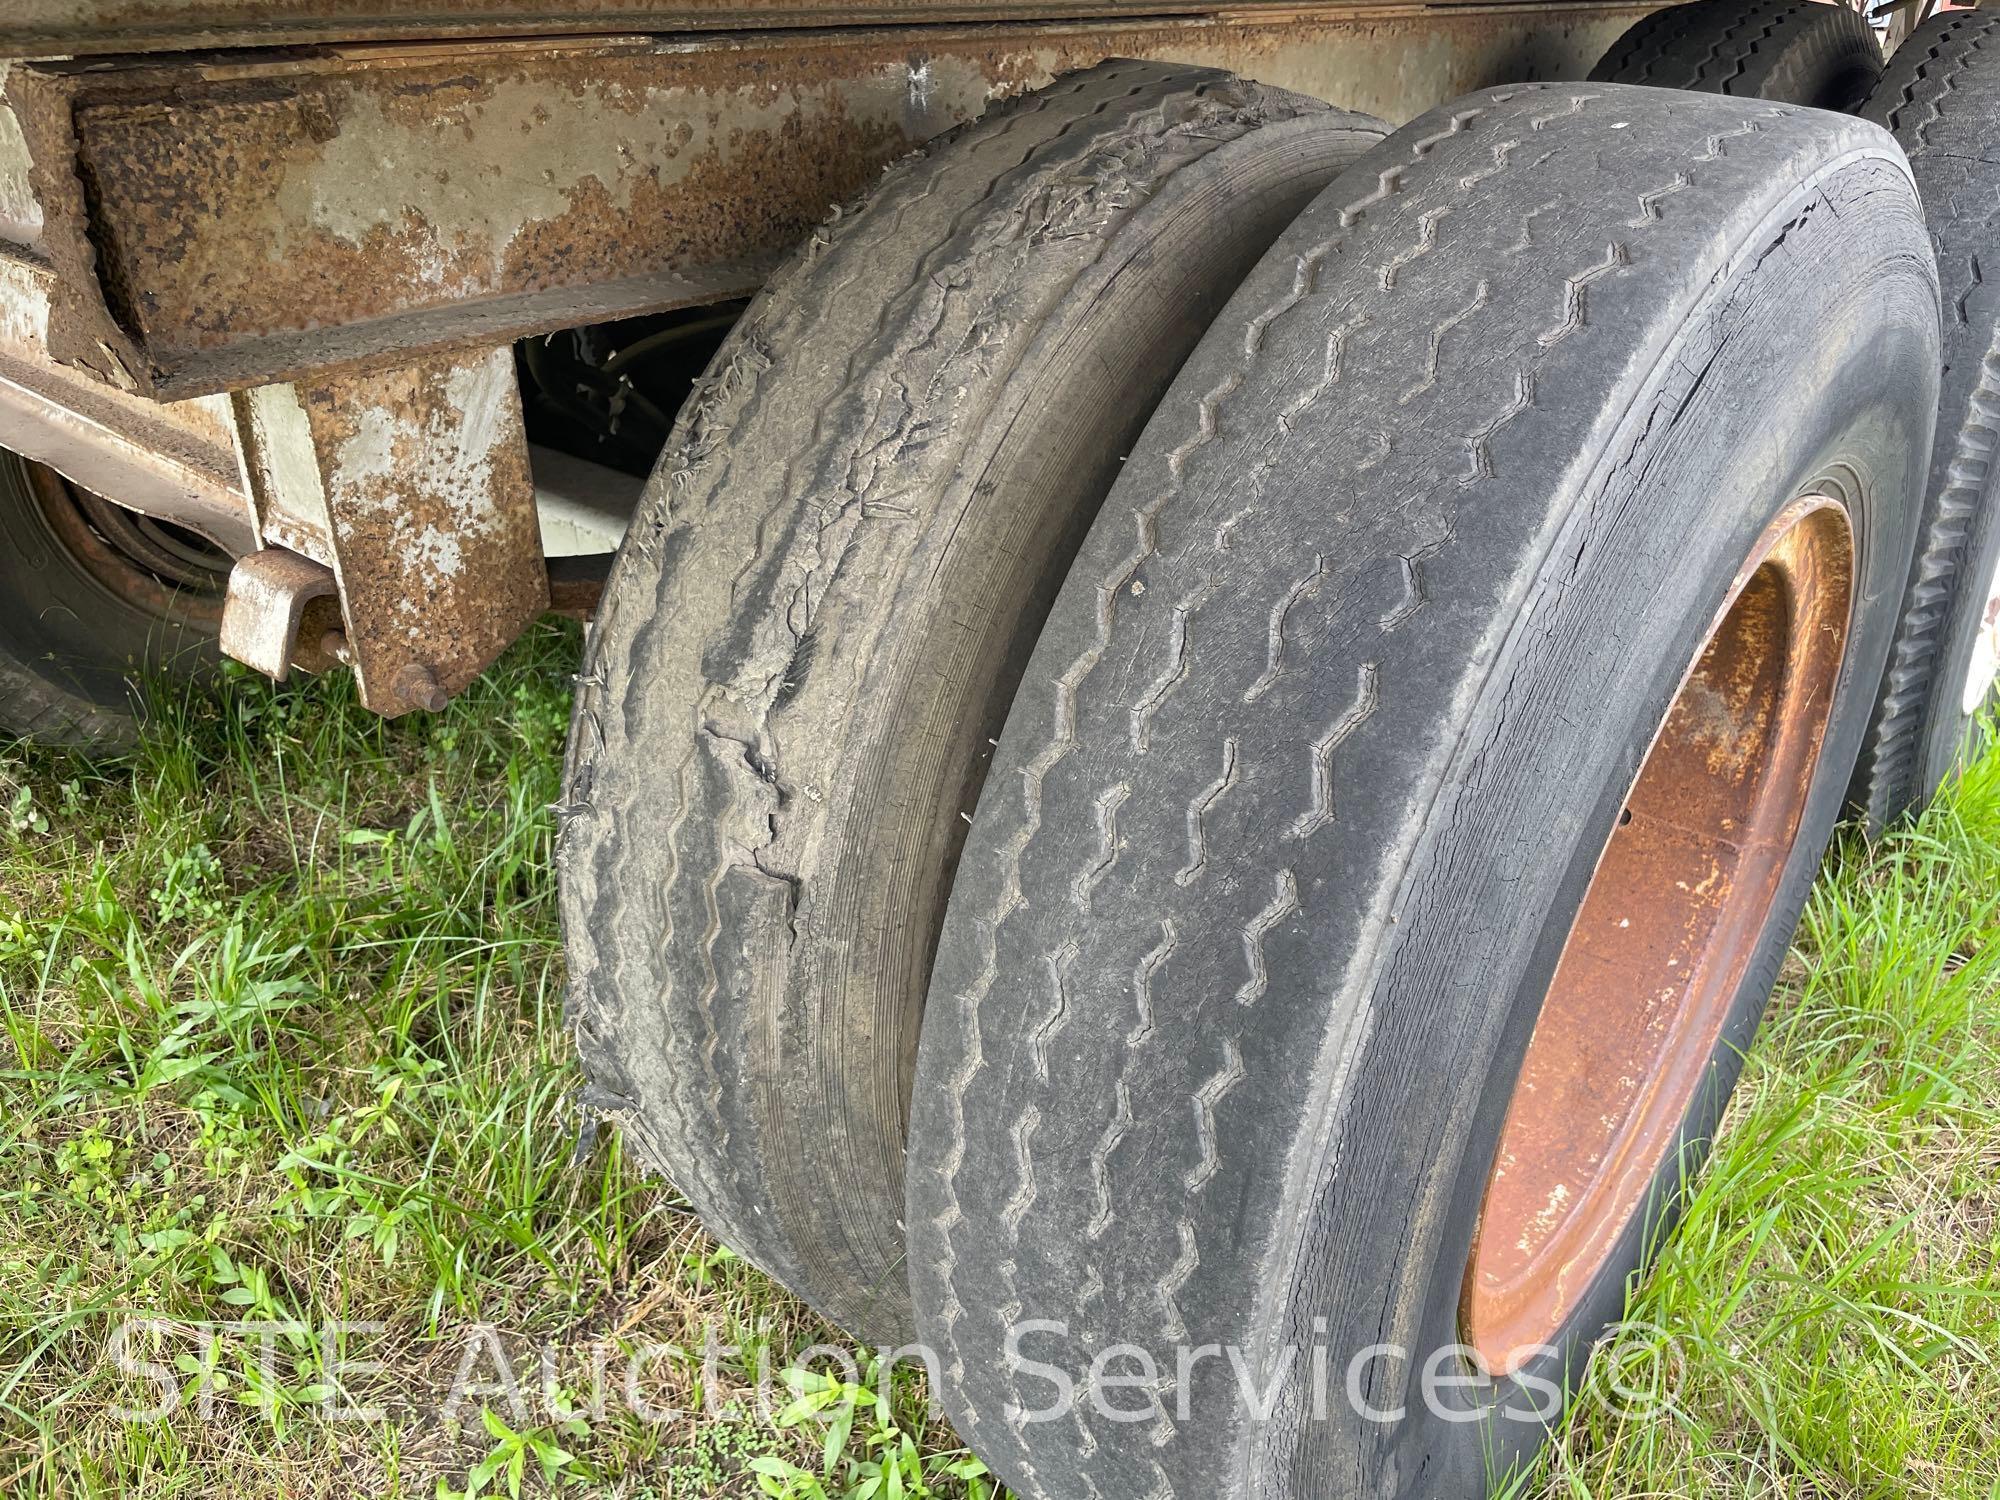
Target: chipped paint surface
[
  {"x": 175, "y": 460},
  {"x": 20, "y": 209},
  {"x": 444, "y": 452},
  {"x": 41, "y": 28},
  {"x": 432, "y": 516},
  {"x": 256, "y": 218},
  {"x": 284, "y": 474},
  {"x": 246, "y": 211},
  {"x": 479, "y": 173}
]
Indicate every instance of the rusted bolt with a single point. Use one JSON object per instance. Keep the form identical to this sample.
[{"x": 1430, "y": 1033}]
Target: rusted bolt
[{"x": 416, "y": 685}]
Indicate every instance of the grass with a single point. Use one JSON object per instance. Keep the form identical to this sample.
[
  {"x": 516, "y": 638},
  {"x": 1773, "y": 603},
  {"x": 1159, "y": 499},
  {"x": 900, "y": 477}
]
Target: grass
[{"x": 281, "y": 1001}]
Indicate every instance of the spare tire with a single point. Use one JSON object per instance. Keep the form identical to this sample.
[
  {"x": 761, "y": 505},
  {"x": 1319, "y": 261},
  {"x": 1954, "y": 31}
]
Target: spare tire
[
  {"x": 95, "y": 598},
  {"x": 1475, "y": 648},
  {"x": 1795, "y": 51},
  {"x": 1941, "y": 97},
  {"x": 816, "y": 621}
]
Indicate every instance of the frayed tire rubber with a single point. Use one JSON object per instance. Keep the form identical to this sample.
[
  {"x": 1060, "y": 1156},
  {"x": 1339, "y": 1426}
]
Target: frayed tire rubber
[
  {"x": 1941, "y": 98},
  {"x": 73, "y": 652},
  {"x": 813, "y": 629},
  {"x": 1789, "y": 51},
  {"x": 1311, "y": 767}
]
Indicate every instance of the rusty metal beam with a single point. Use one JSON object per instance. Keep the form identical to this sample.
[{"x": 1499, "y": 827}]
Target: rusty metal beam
[
  {"x": 215, "y": 223},
  {"x": 241, "y": 469},
  {"x": 74, "y": 28},
  {"x": 403, "y": 529},
  {"x": 176, "y": 460}
]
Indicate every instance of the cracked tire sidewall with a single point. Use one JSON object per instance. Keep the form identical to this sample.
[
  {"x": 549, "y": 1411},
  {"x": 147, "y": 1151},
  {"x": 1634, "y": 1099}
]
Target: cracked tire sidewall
[{"x": 819, "y": 611}]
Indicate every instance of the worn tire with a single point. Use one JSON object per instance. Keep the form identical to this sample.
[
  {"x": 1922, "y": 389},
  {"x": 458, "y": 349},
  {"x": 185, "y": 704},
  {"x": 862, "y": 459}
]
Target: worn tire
[
  {"x": 72, "y": 649},
  {"x": 1941, "y": 98},
  {"x": 1791, "y": 51},
  {"x": 1320, "y": 743},
  {"x": 813, "y": 629}
]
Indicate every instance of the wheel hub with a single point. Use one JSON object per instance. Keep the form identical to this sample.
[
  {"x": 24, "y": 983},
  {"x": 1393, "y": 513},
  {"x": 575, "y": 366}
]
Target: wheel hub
[
  {"x": 1681, "y": 896},
  {"x": 152, "y": 565}
]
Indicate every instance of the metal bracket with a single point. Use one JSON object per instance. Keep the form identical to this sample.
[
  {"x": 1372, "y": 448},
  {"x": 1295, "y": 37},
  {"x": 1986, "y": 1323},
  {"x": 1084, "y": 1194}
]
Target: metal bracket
[
  {"x": 431, "y": 512},
  {"x": 409, "y": 488},
  {"x": 270, "y": 592}
]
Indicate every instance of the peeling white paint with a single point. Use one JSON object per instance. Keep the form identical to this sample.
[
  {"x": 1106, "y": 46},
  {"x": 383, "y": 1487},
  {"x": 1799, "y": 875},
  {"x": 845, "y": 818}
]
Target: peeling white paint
[
  {"x": 368, "y": 453},
  {"x": 470, "y": 181},
  {"x": 438, "y": 552},
  {"x": 446, "y": 459},
  {"x": 24, "y": 305},
  {"x": 922, "y": 86},
  {"x": 484, "y": 396},
  {"x": 293, "y": 498},
  {"x": 20, "y": 209}
]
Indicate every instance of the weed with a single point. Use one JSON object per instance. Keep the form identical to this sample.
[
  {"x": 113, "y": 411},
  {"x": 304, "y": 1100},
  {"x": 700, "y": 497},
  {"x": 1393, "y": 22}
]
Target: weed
[{"x": 290, "y": 1157}]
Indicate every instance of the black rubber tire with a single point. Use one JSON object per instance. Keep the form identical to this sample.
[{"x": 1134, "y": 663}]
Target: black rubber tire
[
  {"x": 1365, "y": 649},
  {"x": 1789, "y": 51},
  {"x": 1941, "y": 98},
  {"x": 73, "y": 651},
  {"x": 814, "y": 628}
]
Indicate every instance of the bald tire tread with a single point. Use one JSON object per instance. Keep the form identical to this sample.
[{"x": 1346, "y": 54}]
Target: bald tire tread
[
  {"x": 1365, "y": 649},
  {"x": 72, "y": 653},
  {"x": 1941, "y": 98},
  {"x": 812, "y": 631},
  {"x": 1790, "y": 51}
]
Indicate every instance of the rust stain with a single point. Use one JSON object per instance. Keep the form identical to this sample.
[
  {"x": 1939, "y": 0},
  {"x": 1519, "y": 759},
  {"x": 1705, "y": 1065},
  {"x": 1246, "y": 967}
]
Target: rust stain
[
  {"x": 1649, "y": 973},
  {"x": 74, "y": 516},
  {"x": 225, "y": 221},
  {"x": 271, "y": 592},
  {"x": 432, "y": 513},
  {"x": 43, "y": 28}
]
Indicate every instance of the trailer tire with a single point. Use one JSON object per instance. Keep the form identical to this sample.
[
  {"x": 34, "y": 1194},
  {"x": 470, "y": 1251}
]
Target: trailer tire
[
  {"x": 1364, "y": 652},
  {"x": 1791, "y": 51},
  {"x": 81, "y": 623},
  {"x": 812, "y": 631},
  {"x": 1941, "y": 98}
]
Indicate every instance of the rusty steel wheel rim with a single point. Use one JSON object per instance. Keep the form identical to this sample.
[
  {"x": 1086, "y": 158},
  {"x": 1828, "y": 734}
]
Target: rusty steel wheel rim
[
  {"x": 1681, "y": 894},
  {"x": 154, "y": 568}
]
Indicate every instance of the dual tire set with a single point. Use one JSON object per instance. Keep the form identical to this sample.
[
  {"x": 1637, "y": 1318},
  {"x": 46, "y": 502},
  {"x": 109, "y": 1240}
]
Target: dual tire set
[
  {"x": 1200, "y": 761},
  {"x": 1196, "y": 770}
]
